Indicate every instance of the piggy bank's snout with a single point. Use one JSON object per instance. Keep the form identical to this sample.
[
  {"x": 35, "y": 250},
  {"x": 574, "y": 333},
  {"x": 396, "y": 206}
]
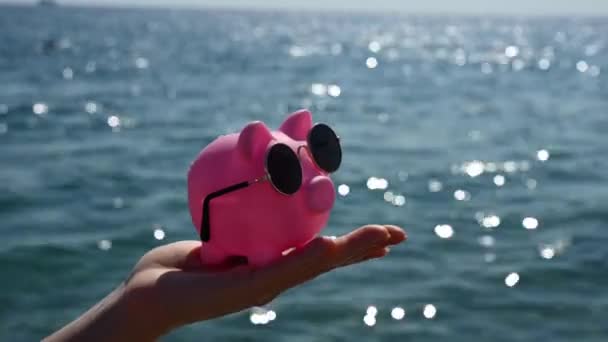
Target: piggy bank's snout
[{"x": 320, "y": 194}]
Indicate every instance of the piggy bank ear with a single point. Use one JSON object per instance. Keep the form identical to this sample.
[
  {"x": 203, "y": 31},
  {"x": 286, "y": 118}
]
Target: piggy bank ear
[
  {"x": 297, "y": 125},
  {"x": 254, "y": 139}
]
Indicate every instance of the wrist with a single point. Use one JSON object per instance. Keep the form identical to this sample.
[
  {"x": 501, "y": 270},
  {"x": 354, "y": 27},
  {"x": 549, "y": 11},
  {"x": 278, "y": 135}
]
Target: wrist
[
  {"x": 142, "y": 315},
  {"x": 120, "y": 316}
]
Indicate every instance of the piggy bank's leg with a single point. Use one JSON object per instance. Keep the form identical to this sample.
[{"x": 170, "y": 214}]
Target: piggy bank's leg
[
  {"x": 263, "y": 258},
  {"x": 211, "y": 255}
]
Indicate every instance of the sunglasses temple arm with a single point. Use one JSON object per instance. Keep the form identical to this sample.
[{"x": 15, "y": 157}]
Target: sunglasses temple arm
[{"x": 205, "y": 221}]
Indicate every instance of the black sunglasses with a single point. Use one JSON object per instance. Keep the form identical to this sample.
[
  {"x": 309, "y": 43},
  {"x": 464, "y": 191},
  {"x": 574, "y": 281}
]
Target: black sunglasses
[{"x": 283, "y": 168}]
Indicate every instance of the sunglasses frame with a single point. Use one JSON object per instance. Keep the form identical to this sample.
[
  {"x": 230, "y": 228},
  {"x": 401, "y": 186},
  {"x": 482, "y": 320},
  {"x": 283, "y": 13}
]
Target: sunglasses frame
[{"x": 205, "y": 231}]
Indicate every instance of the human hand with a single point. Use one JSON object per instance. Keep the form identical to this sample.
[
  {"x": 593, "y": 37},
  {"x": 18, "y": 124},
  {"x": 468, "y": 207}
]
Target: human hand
[{"x": 169, "y": 287}]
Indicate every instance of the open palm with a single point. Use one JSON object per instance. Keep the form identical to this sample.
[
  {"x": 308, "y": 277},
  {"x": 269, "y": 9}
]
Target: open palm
[
  {"x": 169, "y": 287},
  {"x": 174, "y": 284}
]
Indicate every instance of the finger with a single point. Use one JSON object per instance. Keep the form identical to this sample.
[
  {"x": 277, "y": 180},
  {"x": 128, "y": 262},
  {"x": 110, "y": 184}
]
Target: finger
[
  {"x": 325, "y": 253},
  {"x": 398, "y": 235},
  {"x": 317, "y": 257},
  {"x": 180, "y": 254},
  {"x": 375, "y": 253},
  {"x": 298, "y": 266}
]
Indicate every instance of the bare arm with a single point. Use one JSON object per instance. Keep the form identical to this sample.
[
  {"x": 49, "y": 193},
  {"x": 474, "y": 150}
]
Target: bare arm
[
  {"x": 108, "y": 320},
  {"x": 170, "y": 288}
]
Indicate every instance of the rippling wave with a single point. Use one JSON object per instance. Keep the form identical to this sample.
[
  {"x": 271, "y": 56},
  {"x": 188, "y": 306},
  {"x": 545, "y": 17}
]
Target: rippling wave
[{"x": 483, "y": 137}]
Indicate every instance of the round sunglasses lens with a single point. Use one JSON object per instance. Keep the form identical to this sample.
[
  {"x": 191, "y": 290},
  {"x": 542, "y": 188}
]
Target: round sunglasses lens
[
  {"x": 284, "y": 169},
  {"x": 325, "y": 147}
]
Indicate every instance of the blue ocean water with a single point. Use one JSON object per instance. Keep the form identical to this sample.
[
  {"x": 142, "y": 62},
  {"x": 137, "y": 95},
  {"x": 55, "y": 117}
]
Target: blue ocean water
[{"x": 482, "y": 136}]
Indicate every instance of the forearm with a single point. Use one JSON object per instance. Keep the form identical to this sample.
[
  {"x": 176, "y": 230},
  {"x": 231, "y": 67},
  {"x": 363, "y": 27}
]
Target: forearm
[{"x": 114, "y": 318}]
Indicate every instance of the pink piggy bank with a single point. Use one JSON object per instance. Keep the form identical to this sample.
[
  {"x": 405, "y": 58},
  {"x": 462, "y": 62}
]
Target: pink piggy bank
[{"x": 257, "y": 193}]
